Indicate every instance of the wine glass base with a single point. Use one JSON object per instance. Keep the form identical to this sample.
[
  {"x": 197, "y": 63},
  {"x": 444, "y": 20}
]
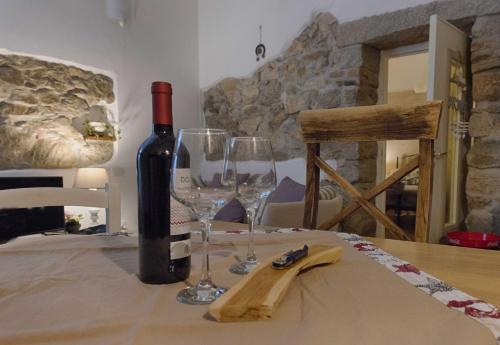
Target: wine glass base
[
  {"x": 243, "y": 267},
  {"x": 199, "y": 296}
]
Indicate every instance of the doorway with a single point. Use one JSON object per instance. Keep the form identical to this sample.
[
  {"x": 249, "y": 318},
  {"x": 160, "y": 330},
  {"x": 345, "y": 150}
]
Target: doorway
[
  {"x": 434, "y": 70},
  {"x": 407, "y": 77}
]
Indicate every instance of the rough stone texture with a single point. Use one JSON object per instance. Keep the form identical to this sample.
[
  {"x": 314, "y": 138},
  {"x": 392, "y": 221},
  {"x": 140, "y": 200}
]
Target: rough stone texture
[
  {"x": 485, "y": 54},
  {"x": 312, "y": 73},
  {"x": 486, "y": 90},
  {"x": 483, "y": 159},
  {"x": 482, "y": 123},
  {"x": 42, "y": 109},
  {"x": 485, "y": 154},
  {"x": 410, "y": 25}
]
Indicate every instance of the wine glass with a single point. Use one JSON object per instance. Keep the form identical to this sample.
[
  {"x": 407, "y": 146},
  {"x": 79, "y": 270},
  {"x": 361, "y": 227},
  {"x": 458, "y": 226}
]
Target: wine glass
[
  {"x": 251, "y": 168},
  {"x": 199, "y": 182}
]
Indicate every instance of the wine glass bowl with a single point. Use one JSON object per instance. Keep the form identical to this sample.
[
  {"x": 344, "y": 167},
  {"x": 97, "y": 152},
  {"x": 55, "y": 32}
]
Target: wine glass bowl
[
  {"x": 199, "y": 182},
  {"x": 252, "y": 169}
]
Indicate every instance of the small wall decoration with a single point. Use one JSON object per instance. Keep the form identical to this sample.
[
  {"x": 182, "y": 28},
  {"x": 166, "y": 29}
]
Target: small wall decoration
[
  {"x": 260, "y": 50},
  {"x": 54, "y": 113}
]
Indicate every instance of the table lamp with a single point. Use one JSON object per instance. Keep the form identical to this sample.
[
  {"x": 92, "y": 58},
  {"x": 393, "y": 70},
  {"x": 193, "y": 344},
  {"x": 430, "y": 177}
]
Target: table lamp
[{"x": 93, "y": 179}]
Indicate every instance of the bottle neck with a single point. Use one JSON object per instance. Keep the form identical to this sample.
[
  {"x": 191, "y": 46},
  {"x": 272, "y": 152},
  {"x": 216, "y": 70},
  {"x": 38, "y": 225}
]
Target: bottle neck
[
  {"x": 162, "y": 129},
  {"x": 162, "y": 108}
]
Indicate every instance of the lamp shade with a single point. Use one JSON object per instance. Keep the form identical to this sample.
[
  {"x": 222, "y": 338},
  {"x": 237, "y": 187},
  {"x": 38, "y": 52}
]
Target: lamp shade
[{"x": 91, "y": 178}]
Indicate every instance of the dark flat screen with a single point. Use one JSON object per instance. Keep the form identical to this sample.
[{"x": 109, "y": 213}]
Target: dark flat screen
[{"x": 24, "y": 221}]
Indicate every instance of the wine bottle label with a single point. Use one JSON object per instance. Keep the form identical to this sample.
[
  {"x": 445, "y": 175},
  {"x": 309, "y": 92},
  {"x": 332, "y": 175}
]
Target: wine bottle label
[
  {"x": 180, "y": 249},
  {"x": 183, "y": 178},
  {"x": 180, "y": 215}
]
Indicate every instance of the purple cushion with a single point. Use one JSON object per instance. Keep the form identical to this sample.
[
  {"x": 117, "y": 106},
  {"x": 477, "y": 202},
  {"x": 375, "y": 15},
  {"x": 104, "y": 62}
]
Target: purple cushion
[
  {"x": 288, "y": 191},
  {"x": 233, "y": 211}
]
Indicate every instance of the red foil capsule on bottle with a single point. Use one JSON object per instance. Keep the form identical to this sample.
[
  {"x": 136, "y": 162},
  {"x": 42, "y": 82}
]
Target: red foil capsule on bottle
[{"x": 162, "y": 103}]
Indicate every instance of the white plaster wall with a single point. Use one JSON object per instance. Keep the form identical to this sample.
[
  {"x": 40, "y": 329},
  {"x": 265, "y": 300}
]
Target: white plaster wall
[
  {"x": 160, "y": 43},
  {"x": 229, "y": 29}
]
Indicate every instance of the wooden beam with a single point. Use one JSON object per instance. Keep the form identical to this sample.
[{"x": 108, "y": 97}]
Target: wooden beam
[
  {"x": 372, "y": 193},
  {"x": 312, "y": 188},
  {"x": 422, "y": 222},
  {"x": 356, "y": 195},
  {"x": 371, "y": 123}
]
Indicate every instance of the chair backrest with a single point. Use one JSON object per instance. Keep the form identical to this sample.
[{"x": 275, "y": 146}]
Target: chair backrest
[
  {"x": 54, "y": 196},
  {"x": 371, "y": 123}
]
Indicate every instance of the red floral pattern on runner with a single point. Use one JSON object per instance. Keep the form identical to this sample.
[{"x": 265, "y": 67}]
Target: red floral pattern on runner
[
  {"x": 364, "y": 247},
  {"x": 475, "y": 312},
  {"x": 406, "y": 268}
]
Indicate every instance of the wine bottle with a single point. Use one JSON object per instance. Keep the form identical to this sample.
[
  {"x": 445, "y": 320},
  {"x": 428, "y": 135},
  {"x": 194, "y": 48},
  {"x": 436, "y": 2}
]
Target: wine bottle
[{"x": 164, "y": 255}]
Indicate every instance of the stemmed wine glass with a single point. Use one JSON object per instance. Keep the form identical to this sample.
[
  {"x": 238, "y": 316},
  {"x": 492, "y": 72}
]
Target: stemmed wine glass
[
  {"x": 251, "y": 168},
  {"x": 199, "y": 182}
]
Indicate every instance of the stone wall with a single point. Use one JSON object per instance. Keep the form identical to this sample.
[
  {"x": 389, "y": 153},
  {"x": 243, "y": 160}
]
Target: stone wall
[
  {"x": 311, "y": 73},
  {"x": 330, "y": 65},
  {"x": 483, "y": 179},
  {"x": 42, "y": 109}
]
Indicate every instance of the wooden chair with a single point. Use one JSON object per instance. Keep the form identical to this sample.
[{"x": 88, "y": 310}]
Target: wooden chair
[
  {"x": 56, "y": 196},
  {"x": 371, "y": 123}
]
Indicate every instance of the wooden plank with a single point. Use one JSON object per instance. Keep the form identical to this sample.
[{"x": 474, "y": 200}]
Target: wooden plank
[
  {"x": 372, "y": 193},
  {"x": 312, "y": 188},
  {"x": 371, "y": 123},
  {"x": 422, "y": 222},
  {"x": 258, "y": 294},
  {"x": 52, "y": 196},
  {"x": 356, "y": 195}
]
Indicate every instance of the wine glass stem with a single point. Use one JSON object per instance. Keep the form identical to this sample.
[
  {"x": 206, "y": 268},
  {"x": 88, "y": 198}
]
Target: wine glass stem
[
  {"x": 205, "y": 280},
  {"x": 251, "y": 257}
]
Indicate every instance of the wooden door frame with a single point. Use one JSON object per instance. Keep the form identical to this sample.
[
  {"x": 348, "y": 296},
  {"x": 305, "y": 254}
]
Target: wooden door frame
[
  {"x": 439, "y": 153},
  {"x": 385, "y": 55}
]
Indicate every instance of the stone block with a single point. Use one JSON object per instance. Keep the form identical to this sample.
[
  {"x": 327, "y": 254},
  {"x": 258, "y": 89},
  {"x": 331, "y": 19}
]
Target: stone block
[
  {"x": 269, "y": 71},
  {"x": 294, "y": 103},
  {"x": 269, "y": 92},
  {"x": 249, "y": 126},
  {"x": 11, "y": 75},
  {"x": 329, "y": 98},
  {"x": 349, "y": 96},
  {"x": 231, "y": 88},
  {"x": 478, "y": 200},
  {"x": 481, "y": 123},
  {"x": 485, "y": 153},
  {"x": 250, "y": 92},
  {"x": 485, "y": 45},
  {"x": 486, "y": 86},
  {"x": 410, "y": 25},
  {"x": 485, "y": 181},
  {"x": 479, "y": 220},
  {"x": 349, "y": 57},
  {"x": 287, "y": 141}
]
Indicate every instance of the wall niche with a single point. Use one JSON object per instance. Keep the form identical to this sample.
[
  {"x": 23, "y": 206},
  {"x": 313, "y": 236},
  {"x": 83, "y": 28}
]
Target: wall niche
[{"x": 44, "y": 107}]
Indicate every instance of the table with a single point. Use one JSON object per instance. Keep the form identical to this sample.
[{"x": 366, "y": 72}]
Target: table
[
  {"x": 475, "y": 271},
  {"x": 83, "y": 289}
]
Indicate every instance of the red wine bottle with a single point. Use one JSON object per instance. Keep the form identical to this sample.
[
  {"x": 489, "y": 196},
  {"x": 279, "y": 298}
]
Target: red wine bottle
[{"x": 164, "y": 255}]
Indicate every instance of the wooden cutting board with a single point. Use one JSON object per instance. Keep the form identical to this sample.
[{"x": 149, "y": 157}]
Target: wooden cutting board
[{"x": 258, "y": 294}]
